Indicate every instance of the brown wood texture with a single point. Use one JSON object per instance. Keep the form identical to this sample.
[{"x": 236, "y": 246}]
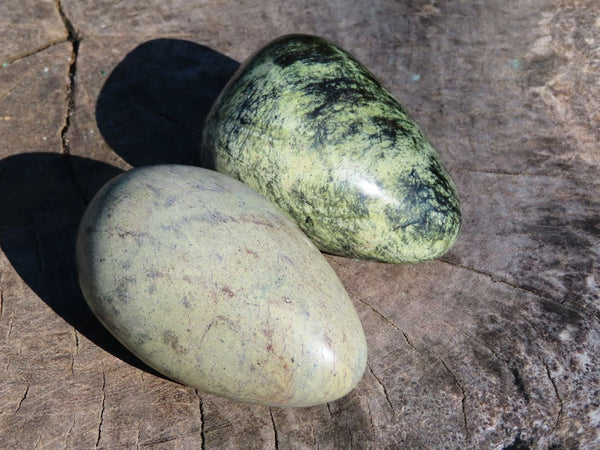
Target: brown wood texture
[{"x": 496, "y": 345}]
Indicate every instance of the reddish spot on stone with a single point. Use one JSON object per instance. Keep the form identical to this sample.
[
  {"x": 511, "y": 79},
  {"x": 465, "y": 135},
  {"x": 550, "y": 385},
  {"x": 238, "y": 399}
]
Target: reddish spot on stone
[
  {"x": 228, "y": 291},
  {"x": 267, "y": 333},
  {"x": 257, "y": 221}
]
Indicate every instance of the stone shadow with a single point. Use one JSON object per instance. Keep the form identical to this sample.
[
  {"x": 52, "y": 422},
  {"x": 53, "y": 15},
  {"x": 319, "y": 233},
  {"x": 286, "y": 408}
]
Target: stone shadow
[
  {"x": 152, "y": 108},
  {"x": 40, "y": 210},
  {"x": 150, "y": 111}
]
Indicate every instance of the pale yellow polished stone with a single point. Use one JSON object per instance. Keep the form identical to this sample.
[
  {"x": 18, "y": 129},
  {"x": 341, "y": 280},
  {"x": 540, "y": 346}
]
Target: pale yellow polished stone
[{"x": 210, "y": 284}]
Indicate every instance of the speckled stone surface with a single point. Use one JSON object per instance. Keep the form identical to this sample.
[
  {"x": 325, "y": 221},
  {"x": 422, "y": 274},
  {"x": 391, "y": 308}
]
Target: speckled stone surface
[
  {"x": 209, "y": 283},
  {"x": 307, "y": 125}
]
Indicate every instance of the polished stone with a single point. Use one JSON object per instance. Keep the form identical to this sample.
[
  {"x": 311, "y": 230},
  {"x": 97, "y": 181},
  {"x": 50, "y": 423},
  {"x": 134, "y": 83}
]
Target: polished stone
[
  {"x": 305, "y": 124},
  {"x": 210, "y": 284}
]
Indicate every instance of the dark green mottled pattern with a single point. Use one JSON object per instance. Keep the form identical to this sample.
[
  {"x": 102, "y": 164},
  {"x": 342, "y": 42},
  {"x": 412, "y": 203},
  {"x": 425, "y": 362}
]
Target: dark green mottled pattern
[{"x": 308, "y": 126}]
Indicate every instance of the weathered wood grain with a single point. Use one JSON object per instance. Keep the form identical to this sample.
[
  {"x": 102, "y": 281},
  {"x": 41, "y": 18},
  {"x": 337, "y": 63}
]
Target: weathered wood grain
[
  {"x": 494, "y": 346},
  {"x": 29, "y": 27}
]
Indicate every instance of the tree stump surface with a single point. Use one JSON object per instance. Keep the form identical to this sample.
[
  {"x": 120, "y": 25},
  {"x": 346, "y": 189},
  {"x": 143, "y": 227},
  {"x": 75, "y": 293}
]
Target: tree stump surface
[{"x": 495, "y": 345}]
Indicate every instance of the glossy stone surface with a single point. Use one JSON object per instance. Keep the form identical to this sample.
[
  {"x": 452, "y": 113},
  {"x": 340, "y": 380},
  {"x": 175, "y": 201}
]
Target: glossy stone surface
[
  {"x": 308, "y": 126},
  {"x": 210, "y": 284}
]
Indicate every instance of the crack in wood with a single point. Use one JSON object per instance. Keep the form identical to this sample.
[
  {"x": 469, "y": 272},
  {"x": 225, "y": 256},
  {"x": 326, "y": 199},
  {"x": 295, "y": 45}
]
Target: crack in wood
[
  {"x": 34, "y": 51},
  {"x": 202, "y": 420},
  {"x": 473, "y": 338},
  {"x": 462, "y": 390},
  {"x": 496, "y": 279},
  {"x": 75, "y": 39},
  {"x": 36, "y": 444},
  {"x": 13, "y": 86},
  {"x": 76, "y": 336},
  {"x": 275, "y": 433},
  {"x": 463, "y": 404},
  {"x": 25, "y": 394},
  {"x": 75, "y": 351},
  {"x": 9, "y": 331},
  {"x": 518, "y": 380},
  {"x": 384, "y": 389},
  {"x": 137, "y": 436},
  {"x": 541, "y": 333},
  {"x": 102, "y": 408},
  {"x": 69, "y": 431},
  {"x": 223, "y": 426},
  {"x": 385, "y": 318},
  {"x": 161, "y": 440}
]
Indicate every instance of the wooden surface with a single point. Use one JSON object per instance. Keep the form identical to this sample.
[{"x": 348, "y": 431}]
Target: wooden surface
[{"x": 496, "y": 345}]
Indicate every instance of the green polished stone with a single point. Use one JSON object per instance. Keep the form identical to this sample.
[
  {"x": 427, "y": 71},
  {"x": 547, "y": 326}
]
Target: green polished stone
[
  {"x": 305, "y": 124},
  {"x": 210, "y": 284}
]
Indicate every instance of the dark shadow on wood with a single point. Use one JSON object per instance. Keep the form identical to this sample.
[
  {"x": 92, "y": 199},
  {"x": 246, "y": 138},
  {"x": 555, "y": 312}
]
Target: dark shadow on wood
[
  {"x": 150, "y": 111},
  {"x": 41, "y": 205},
  {"x": 152, "y": 108}
]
